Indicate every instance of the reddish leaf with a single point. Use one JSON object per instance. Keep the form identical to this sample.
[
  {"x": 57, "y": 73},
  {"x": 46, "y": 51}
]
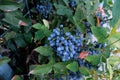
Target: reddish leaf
[
  {"x": 83, "y": 54},
  {"x": 21, "y": 23}
]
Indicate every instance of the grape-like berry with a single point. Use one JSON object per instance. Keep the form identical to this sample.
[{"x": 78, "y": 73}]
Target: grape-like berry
[
  {"x": 45, "y": 9},
  {"x": 66, "y": 45},
  {"x": 72, "y": 3}
]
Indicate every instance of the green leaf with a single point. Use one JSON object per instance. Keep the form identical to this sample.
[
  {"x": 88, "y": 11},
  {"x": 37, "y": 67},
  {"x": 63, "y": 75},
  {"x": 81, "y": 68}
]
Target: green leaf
[
  {"x": 79, "y": 13},
  {"x": 66, "y": 2},
  {"x": 117, "y": 77},
  {"x": 20, "y": 42},
  {"x": 93, "y": 59},
  {"x": 90, "y": 8},
  {"x": 78, "y": 17},
  {"x": 114, "y": 60},
  {"x": 11, "y": 19},
  {"x": 4, "y": 60},
  {"x": 37, "y": 26},
  {"x": 17, "y": 77},
  {"x": 109, "y": 67},
  {"x": 114, "y": 29},
  {"x": 100, "y": 33},
  {"x": 10, "y": 45},
  {"x": 85, "y": 71},
  {"x": 73, "y": 66},
  {"x": 60, "y": 68},
  {"x": 39, "y": 35},
  {"x": 47, "y": 32},
  {"x": 42, "y": 69},
  {"x": 115, "y": 13},
  {"x": 63, "y": 10},
  {"x": 9, "y": 7},
  {"x": 105, "y": 55},
  {"x": 10, "y": 35},
  {"x": 89, "y": 79},
  {"x": 28, "y": 37},
  {"x": 42, "y": 28},
  {"x": 8, "y": 2},
  {"x": 114, "y": 40},
  {"x": 44, "y": 50},
  {"x": 52, "y": 60},
  {"x": 91, "y": 20}
]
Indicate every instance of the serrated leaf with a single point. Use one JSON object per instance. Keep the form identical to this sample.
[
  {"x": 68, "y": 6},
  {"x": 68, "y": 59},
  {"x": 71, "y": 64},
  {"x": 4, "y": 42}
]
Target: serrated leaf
[
  {"x": 100, "y": 33},
  {"x": 73, "y": 66},
  {"x": 44, "y": 50},
  {"x": 41, "y": 69},
  {"x": 4, "y": 60},
  {"x": 93, "y": 59},
  {"x": 85, "y": 71}
]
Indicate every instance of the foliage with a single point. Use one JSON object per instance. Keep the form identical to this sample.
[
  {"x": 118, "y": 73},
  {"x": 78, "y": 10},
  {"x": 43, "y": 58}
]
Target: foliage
[{"x": 30, "y": 27}]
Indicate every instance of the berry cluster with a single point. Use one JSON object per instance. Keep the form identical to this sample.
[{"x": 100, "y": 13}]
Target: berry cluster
[
  {"x": 66, "y": 45},
  {"x": 71, "y": 76},
  {"x": 45, "y": 8},
  {"x": 74, "y": 76},
  {"x": 72, "y": 3}
]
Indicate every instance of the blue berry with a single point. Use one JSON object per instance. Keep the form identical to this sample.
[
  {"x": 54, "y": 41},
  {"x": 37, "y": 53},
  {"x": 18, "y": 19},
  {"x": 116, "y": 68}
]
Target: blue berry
[
  {"x": 67, "y": 34},
  {"x": 73, "y": 3},
  {"x": 65, "y": 45},
  {"x": 45, "y": 9},
  {"x": 98, "y": 15},
  {"x": 52, "y": 35}
]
